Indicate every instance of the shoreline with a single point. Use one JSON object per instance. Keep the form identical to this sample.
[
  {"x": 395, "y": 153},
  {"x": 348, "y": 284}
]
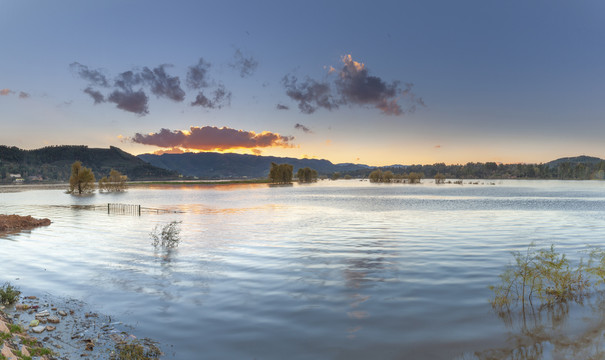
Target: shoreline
[{"x": 64, "y": 329}]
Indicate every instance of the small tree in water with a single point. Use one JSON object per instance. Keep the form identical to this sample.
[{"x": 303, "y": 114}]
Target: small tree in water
[
  {"x": 82, "y": 180},
  {"x": 115, "y": 183}
]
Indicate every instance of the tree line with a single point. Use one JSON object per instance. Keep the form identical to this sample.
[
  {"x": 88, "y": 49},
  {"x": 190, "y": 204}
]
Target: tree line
[{"x": 489, "y": 170}]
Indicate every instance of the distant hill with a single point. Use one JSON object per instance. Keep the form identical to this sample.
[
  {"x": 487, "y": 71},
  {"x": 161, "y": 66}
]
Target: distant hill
[
  {"x": 53, "y": 163},
  {"x": 209, "y": 165},
  {"x": 583, "y": 159}
]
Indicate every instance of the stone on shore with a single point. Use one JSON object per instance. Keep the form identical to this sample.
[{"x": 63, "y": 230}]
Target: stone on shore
[
  {"x": 3, "y": 328},
  {"x": 7, "y": 353},
  {"x": 53, "y": 320},
  {"x": 38, "y": 329}
]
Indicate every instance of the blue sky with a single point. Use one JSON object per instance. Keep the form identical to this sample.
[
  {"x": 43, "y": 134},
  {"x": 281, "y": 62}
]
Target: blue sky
[{"x": 505, "y": 81}]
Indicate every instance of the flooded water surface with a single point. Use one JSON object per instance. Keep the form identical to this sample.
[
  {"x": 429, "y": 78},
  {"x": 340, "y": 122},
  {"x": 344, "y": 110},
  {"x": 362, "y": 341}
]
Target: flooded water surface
[{"x": 333, "y": 270}]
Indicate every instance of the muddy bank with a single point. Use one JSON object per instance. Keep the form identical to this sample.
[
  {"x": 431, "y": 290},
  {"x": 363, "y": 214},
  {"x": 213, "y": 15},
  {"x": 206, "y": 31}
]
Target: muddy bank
[
  {"x": 17, "y": 222},
  {"x": 65, "y": 329}
]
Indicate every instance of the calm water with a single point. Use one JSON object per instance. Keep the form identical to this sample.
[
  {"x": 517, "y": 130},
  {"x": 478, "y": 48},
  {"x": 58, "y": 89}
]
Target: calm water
[{"x": 333, "y": 270}]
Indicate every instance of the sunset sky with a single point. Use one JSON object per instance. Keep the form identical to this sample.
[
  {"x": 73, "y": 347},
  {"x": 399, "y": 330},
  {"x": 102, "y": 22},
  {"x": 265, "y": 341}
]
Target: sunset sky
[{"x": 379, "y": 83}]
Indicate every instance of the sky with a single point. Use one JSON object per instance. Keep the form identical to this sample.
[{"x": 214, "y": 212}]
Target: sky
[{"x": 377, "y": 83}]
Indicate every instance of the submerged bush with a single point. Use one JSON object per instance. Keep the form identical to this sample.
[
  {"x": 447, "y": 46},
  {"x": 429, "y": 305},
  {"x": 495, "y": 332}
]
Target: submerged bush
[
  {"x": 137, "y": 350},
  {"x": 545, "y": 277},
  {"x": 167, "y": 236},
  {"x": 9, "y": 294}
]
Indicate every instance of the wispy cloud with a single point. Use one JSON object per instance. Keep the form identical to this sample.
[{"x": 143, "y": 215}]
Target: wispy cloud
[
  {"x": 21, "y": 94},
  {"x": 129, "y": 89},
  {"x": 220, "y": 97},
  {"x": 245, "y": 65},
  {"x": 309, "y": 94},
  {"x": 354, "y": 86},
  {"x": 209, "y": 138},
  {"x": 303, "y": 128},
  {"x": 282, "y": 107}
]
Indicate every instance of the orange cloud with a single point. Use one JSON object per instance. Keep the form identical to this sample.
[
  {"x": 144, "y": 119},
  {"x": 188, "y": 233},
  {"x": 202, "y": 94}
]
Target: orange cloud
[
  {"x": 169, "y": 151},
  {"x": 211, "y": 138},
  {"x": 4, "y": 92}
]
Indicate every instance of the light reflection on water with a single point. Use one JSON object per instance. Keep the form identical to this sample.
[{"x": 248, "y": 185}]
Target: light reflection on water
[{"x": 335, "y": 270}]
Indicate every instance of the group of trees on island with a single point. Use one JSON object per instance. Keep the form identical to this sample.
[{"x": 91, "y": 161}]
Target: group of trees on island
[
  {"x": 388, "y": 176},
  {"x": 283, "y": 174},
  {"x": 82, "y": 180}
]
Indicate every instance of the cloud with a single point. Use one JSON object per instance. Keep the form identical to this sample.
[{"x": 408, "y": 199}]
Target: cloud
[
  {"x": 162, "y": 84},
  {"x": 303, "y": 128},
  {"x": 197, "y": 75},
  {"x": 169, "y": 151},
  {"x": 22, "y": 94},
  {"x": 246, "y": 65},
  {"x": 309, "y": 94},
  {"x": 282, "y": 107},
  {"x": 221, "y": 97},
  {"x": 256, "y": 151},
  {"x": 353, "y": 85},
  {"x": 96, "y": 95},
  {"x": 209, "y": 138},
  {"x": 94, "y": 77},
  {"x": 131, "y": 101}
]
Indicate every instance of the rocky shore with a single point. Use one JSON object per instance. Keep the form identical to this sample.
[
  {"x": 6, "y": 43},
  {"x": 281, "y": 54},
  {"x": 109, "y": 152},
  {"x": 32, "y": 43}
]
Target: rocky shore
[
  {"x": 17, "y": 222},
  {"x": 47, "y": 328}
]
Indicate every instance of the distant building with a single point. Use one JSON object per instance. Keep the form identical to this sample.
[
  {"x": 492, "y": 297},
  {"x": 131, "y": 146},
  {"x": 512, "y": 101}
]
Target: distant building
[{"x": 14, "y": 176}]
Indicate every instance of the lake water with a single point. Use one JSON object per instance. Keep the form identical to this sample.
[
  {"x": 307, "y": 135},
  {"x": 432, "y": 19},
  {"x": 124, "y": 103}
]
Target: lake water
[{"x": 333, "y": 270}]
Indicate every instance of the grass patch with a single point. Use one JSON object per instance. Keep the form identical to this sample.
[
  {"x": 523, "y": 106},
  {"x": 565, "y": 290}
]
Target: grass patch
[
  {"x": 9, "y": 294},
  {"x": 137, "y": 350}
]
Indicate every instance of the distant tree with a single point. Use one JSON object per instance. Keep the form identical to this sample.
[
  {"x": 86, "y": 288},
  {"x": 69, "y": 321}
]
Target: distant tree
[
  {"x": 439, "y": 178},
  {"x": 335, "y": 176},
  {"x": 387, "y": 176},
  {"x": 414, "y": 178},
  {"x": 281, "y": 174},
  {"x": 306, "y": 175},
  {"x": 376, "y": 176},
  {"x": 82, "y": 180},
  {"x": 115, "y": 183}
]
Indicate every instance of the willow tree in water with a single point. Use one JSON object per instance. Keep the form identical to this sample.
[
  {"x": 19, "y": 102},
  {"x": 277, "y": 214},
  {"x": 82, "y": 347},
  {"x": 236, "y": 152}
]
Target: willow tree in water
[{"x": 82, "y": 180}]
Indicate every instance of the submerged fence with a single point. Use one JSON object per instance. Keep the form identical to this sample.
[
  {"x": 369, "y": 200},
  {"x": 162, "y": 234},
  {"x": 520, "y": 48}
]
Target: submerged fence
[
  {"x": 130, "y": 209},
  {"x": 125, "y": 209}
]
